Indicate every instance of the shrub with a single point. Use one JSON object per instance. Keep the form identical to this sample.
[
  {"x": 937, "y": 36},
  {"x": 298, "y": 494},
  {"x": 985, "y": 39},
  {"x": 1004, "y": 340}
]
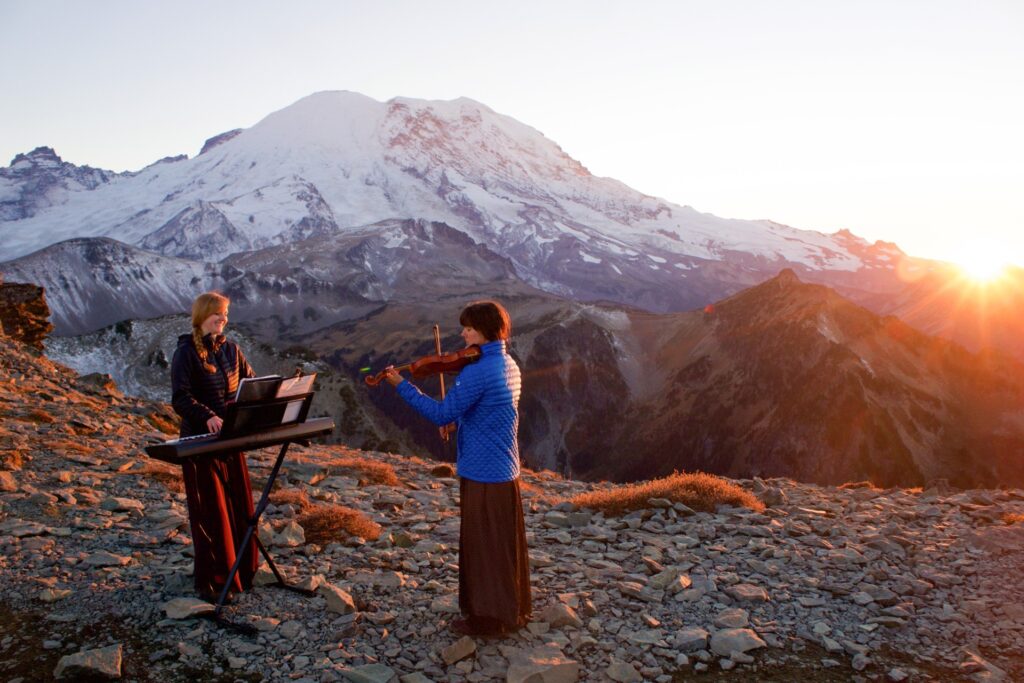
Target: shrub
[
  {"x": 11, "y": 459},
  {"x": 39, "y": 416},
  {"x": 324, "y": 524},
  {"x": 161, "y": 423},
  {"x": 859, "y": 485},
  {"x": 367, "y": 471},
  {"x": 442, "y": 470},
  {"x": 700, "y": 491},
  {"x": 64, "y": 446},
  {"x": 167, "y": 475},
  {"x": 296, "y": 497},
  {"x": 532, "y": 492}
]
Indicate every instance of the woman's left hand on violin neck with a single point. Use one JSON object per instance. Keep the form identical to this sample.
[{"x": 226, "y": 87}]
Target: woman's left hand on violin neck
[{"x": 393, "y": 377}]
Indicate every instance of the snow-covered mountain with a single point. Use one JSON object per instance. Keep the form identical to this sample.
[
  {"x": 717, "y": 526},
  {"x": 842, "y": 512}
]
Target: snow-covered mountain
[
  {"x": 300, "y": 286},
  {"x": 93, "y": 282},
  {"x": 40, "y": 179},
  {"x": 337, "y": 160}
]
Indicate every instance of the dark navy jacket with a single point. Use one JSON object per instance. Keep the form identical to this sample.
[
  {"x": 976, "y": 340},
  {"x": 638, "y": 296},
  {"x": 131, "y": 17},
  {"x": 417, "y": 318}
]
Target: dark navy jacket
[
  {"x": 485, "y": 404},
  {"x": 198, "y": 395}
]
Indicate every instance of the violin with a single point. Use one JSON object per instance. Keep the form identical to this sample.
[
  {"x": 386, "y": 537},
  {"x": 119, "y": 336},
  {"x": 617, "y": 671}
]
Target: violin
[{"x": 434, "y": 364}]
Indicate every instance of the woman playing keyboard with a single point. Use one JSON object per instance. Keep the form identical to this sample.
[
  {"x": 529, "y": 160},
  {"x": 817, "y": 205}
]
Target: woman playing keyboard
[{"x": 205, "y": 372}]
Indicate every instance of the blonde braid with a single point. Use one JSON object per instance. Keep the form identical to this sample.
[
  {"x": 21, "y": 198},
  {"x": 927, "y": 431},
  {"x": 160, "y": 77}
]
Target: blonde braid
[{"x": 197, "y": 338}]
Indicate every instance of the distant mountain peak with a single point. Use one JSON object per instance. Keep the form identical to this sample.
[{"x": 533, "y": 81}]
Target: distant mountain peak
[
  {"x": 219, "y": 140},
  {"x": 784, "y": 298},
  {"x": 45, "y": 160},
  {"x": 786, "y": 276},
  {"x": 40, "y": 156},
  {"x": 40, "y": 179},
  {"x": 787, "y": 284}
]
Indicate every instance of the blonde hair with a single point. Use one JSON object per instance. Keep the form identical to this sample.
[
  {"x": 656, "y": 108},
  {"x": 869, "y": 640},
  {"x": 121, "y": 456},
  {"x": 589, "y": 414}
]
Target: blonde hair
[{"x": 203, "y": 307}]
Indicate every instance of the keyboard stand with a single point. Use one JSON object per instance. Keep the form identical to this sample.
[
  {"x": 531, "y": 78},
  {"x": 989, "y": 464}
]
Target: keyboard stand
[
  {"x": 251, "y": 535},
  {"x": 260, "y": 424}
]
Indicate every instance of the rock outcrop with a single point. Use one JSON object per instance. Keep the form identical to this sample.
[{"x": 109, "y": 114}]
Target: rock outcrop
[{"x": 24, "y": 315}]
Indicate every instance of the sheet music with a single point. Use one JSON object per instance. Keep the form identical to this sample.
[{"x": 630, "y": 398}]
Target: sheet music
[
  {"x": 249, "y": 381},
  {"x": 294, "y": 386},
  {"x": 291, "y": 411}
]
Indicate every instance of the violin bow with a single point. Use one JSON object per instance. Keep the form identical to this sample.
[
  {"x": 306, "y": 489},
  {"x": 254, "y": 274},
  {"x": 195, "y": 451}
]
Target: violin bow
[{"x": 437, "y": 348}]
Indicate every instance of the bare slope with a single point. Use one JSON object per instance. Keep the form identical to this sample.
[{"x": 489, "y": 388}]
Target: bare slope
[
  {"x": 826, "y": 584},
  {"x": 790, "y": 378}
]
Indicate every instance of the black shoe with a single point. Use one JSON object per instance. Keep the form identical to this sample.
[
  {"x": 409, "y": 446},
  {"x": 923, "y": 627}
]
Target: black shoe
[
  {"x": 462, "y": 627},
  {"x": 481, "y": 626},
  {"x": 212, "y": 597}
]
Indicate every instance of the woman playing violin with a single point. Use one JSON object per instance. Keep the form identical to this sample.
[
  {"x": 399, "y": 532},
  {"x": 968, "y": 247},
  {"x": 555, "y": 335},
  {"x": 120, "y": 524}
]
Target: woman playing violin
[{"x": 494, "y": 573}]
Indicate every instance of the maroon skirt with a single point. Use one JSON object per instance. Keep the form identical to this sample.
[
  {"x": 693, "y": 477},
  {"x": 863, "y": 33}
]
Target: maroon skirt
[
  {"x": 494, "y": 564},
  {"x": 219, "y": 509}
]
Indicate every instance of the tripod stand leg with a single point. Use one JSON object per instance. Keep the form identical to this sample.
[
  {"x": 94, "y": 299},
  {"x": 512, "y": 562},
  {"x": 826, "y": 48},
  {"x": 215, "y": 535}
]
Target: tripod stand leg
[
  {"x": 281, "y": 583},
  {"x": 253, "y": 523}
]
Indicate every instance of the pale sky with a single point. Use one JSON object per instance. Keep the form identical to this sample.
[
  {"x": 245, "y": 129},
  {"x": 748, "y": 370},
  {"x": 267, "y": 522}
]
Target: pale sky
[{"x": 899, "y": 120}]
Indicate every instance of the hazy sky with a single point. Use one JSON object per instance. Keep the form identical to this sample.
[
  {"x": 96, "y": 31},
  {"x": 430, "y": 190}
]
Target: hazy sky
[{"x": 899, "y": 120}]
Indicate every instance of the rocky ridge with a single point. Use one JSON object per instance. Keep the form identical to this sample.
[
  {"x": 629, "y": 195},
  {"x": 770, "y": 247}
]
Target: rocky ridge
[
  {"x": 40, "y": 179},
  {"x": 784, "y": 379},
  {"x": 854, "y": 583},
  {"x": 790, "y": 379}
]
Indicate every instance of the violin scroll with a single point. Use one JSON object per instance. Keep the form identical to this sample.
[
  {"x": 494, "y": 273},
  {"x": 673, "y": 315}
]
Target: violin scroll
[{"x": 374, "y": 380}]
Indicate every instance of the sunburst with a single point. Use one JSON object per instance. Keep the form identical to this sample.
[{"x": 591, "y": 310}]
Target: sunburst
[{"x": 982, "y": 263}]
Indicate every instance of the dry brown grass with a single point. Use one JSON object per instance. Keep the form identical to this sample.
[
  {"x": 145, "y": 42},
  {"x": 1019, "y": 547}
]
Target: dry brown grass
[
  {"x": 543, "y": 475},
  {"x": 537, "y": 493},
  {"x": 443, "y": 470},
  {"x": 296, "y": 497},
  {"x": 11, "y": 459},
  {"x": 366, "y": 471},
  {"x": 66, "y": 445},
  {"x": 859, "y": 485},
  {"x": 39, "y": 416},
  {"x": 700, "y": 491},
  {"x": 1013, "y": 517},
  {"x": 324, "y": 524},
  {"x": 167, "y": 475},
  {"x": 161, "y": 423}
]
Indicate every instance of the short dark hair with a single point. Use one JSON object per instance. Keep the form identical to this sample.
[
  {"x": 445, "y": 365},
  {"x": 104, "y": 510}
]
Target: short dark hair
[{"x": 489, "y": 318}]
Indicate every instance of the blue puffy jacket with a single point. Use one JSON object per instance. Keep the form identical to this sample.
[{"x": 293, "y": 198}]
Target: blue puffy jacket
[{"x": 485, "y": 404}]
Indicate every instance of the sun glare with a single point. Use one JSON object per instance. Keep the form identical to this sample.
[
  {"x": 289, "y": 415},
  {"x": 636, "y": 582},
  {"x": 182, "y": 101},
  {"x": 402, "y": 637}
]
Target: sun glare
[{"x": 983, "y": 265}]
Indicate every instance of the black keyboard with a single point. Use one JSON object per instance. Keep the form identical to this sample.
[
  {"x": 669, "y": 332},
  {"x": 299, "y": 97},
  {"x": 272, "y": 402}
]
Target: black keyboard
[
  {"x": 203, "y": 445},
  {"x": 185, "y": 439}
]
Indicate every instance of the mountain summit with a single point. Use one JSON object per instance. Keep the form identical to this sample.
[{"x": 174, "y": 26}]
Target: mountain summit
[
  {"x": 334, "y": 161},
  {"x": 41, "y": 179}
]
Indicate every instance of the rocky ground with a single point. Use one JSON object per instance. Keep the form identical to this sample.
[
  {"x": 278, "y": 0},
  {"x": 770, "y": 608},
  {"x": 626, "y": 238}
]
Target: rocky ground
[{"x": 827, "y": 584}]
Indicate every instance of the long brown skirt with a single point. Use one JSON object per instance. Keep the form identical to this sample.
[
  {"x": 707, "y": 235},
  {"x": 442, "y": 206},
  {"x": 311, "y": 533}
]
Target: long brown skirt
[
  {"x": 494, "y": 564},
  {"x": 219, "y": 509}
]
